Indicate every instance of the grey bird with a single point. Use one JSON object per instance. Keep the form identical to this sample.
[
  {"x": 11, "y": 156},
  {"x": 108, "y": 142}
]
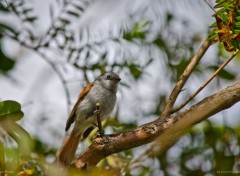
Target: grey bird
[{"x": 103, "y": 91}]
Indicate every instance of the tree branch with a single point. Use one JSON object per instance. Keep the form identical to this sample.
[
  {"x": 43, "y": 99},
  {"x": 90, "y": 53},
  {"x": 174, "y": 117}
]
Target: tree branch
[
  {"x": 166, "y": 130},
  {"x": 184, "y": 77},
  {"x": 207, "y": 82}
]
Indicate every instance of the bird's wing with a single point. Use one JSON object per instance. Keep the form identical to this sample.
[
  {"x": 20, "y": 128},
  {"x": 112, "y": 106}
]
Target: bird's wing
[{"x": 72, "y": 115}]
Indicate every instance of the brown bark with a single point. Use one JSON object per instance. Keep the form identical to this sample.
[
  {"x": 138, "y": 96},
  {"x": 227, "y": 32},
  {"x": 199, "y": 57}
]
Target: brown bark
[
  {"x": 164, "y": 130},
  {"x": 184, "y": 77}
]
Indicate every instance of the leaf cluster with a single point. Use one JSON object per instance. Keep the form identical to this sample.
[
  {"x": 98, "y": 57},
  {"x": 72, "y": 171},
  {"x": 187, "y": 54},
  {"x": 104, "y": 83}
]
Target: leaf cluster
[{"x": 226, "y": 29}]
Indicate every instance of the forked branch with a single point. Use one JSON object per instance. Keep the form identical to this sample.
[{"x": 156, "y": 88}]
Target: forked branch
[
  {"x": 207, "y": 82},
  {"x": 184, "y": 77}
]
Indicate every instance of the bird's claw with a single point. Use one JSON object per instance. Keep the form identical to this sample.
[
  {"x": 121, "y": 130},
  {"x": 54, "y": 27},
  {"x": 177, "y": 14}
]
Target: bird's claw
[
  {"x": 101, "y": 133},
  {"x": 104, "y": 137}
]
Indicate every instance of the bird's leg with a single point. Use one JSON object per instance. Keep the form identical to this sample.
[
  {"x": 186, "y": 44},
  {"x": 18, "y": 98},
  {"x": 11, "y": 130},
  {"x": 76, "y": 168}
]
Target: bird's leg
[{"x": 99, "y": 124}]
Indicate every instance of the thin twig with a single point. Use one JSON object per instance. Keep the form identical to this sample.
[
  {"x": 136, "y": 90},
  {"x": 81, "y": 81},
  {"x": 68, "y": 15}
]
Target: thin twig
[
  {"x": 53, "y": 66},
  {"x": 48, "y": 32},
  {"x": 184, "y": 77},
  {"x": 210, "y": 6},
  {"x": 52, "y": 30},
  {"x": 63, "y": 81},
  {"x": 207, "y": 82}
]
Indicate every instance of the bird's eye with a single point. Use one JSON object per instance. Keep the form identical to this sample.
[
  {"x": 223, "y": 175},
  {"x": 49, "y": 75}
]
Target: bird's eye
[{"x": 108, "y": 76}]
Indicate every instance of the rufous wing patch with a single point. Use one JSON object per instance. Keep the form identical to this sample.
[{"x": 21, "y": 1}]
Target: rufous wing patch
[{"x": 81, "y": 96}]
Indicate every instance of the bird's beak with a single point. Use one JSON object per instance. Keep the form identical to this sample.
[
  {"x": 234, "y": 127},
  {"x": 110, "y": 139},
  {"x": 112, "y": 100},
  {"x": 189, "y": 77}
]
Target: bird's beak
[{"x": 117, "y": 79}]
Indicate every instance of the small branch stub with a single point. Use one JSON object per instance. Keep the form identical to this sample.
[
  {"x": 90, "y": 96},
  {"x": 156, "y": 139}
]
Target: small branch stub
[{"x": 184, "y": 77}]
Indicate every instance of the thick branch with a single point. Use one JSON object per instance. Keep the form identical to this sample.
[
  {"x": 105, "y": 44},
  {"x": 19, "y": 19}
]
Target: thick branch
[
  {"x": 184, "y": 77},
  {"x": 162, "y": 129}
]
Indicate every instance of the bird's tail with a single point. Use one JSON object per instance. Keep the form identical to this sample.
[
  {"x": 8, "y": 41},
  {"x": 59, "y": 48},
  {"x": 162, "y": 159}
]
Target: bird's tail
[{"x": 66, "y": 153}]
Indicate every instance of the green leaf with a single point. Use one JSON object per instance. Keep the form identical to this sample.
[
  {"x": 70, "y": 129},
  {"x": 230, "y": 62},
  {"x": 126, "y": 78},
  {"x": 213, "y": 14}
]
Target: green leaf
[
  {"x": 78, "y": 7},
  {"x": 137, "y": 31},
  {"x": 30, "y": 19},
  {"x": 10, "y": 110},
  {"x": 169, "y": 17},
  {"x": 25, "y": 11},
  {"x": 181, "y": 66},
  {"x": 6, "y": 63},
  {"x": 40, "y": 147},
  {"x": 72, "y": 13},
  {"x": 3, "y": 8},
  {"x": 64, "y": 21},
  {"x": 135, "y": 70}
]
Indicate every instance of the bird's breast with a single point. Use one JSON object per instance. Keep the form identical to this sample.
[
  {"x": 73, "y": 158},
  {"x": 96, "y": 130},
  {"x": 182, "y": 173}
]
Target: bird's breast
[{"x": 97, "y": 94}]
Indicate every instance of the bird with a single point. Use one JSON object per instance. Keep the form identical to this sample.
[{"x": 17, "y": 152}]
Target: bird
[{"x": 102, "y": 93}]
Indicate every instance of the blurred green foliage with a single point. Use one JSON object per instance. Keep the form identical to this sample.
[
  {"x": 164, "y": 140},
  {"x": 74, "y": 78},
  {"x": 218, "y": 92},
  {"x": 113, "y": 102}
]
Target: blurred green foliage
[
  {"x": 200, "y": 152},
  {"x": 210, "y": 150},
  {"x": 6, "y": 63},
  {"x": 138, "y": 32},
  {"x": 10, "y": 112}
]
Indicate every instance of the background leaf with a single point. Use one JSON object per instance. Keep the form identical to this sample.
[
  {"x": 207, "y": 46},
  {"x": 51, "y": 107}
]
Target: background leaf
[
  {"x": 10, "y": 110},
  {"x": 6, "y": 63}
]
